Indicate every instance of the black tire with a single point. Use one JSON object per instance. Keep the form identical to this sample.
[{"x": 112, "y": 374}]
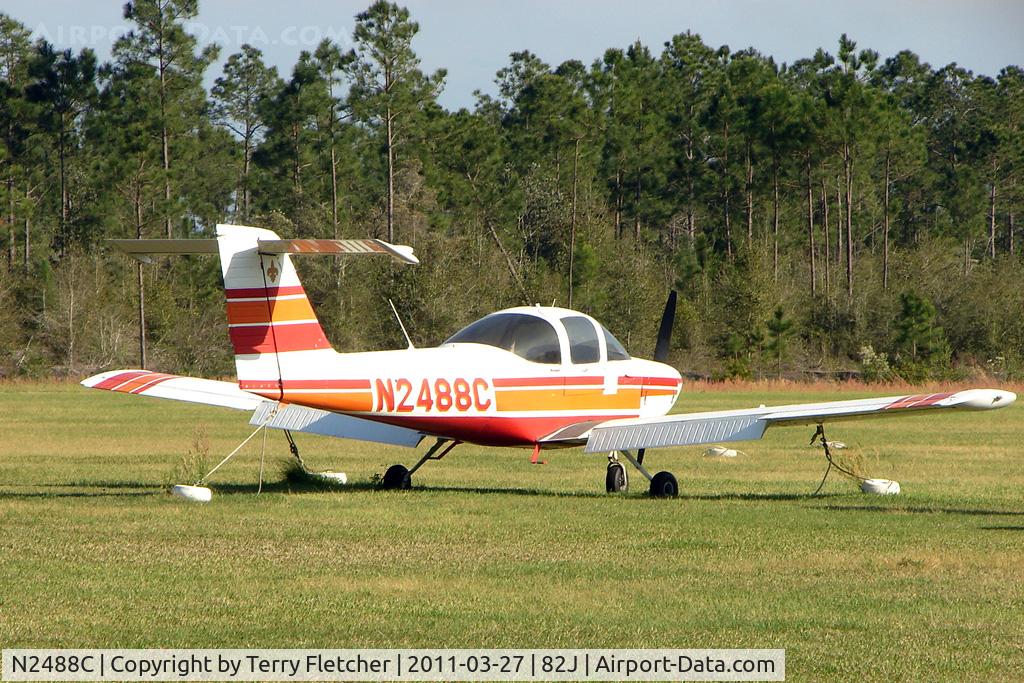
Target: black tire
[
  {"x": 396, "y": 477},
  {"x": 615, "y": 480},
  {"x": 664, "y": 485}
]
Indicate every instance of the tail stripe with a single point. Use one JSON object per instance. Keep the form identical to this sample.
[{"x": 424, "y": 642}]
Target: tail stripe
[
  {"x": 268, "y": 311},
  {"x": 253, "y": 339},
  {"x": 263, "y": 292},
  {"x": 256, "y": 311}
]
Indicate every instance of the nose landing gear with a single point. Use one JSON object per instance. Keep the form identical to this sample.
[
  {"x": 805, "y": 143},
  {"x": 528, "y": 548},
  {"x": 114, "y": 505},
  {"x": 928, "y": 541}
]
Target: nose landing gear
[{"x": 615, "y": 481}]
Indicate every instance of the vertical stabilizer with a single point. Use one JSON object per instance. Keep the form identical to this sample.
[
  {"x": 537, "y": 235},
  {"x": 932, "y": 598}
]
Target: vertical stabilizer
[{"x": 269, "y": 314}]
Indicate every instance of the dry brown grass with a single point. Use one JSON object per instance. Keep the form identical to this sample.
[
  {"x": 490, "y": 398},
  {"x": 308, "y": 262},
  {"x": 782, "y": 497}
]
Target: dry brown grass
[{"x": 846, "y": 386}]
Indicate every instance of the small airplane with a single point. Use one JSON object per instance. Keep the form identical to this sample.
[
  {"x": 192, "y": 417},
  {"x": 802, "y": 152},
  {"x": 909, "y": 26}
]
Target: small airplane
[{"x": 533, "y": 376}]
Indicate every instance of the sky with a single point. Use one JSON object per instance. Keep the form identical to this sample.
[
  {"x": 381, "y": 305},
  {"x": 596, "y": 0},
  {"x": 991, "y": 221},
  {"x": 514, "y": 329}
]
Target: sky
[{"x": 472, "y": 39}]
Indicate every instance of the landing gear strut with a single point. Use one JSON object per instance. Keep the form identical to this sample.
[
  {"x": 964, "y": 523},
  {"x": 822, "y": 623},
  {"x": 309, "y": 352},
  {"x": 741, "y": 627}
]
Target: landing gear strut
[
  {"x": 663, "y": 484},
  {"x": 400, "y": 477}
]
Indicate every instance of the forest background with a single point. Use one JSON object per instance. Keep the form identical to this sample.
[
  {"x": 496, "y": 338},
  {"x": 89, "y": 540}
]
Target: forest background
[{"x": 844, "y": 215}]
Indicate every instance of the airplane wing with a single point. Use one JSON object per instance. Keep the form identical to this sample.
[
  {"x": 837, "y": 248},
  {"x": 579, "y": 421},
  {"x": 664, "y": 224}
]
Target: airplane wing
[
  {"x": 161, "y": 385},
  {"x": 265, "y": 411},
  {"x": 690, "y": 429}
]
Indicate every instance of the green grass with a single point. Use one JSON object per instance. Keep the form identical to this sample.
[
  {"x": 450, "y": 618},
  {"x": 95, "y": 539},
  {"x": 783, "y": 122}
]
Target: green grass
[{"x": 489, "y": 551}]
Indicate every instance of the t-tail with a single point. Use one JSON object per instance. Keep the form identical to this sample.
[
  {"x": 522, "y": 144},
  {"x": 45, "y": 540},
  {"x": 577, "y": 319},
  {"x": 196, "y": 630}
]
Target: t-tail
[
  {"x": 279, "y": 344},
  {"x": 270, "y": 319}
]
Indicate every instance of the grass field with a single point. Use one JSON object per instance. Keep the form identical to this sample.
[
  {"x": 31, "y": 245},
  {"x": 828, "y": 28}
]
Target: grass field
[{"x": 489, "y": 551}]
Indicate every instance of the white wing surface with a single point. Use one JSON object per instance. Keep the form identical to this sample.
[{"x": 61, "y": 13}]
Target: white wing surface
[
  {"x": 210, "y": 392},
  {"x": 265, "y": 412},
  {"x": 689, "y": 429}
]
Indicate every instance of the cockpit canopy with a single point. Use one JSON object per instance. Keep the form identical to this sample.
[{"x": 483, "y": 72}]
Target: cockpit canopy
[{"x": 548, "y": 338}]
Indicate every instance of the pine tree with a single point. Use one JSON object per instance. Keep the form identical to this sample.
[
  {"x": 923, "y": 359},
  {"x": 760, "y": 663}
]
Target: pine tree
[
  {"x": 388, "y": 88},
  {"x": 238, "y": 97},
  {"x": 920, "y": 341},
  {"x": 687, "y": 67},
  {"x": 15, "y": 116},
  {"x": 63, "y": 86},
  {"x": 165, "y": 54},
  {"x": 780, "y": 328}
]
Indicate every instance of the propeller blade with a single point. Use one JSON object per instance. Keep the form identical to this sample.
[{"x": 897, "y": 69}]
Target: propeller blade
[{"x": 665, "y": 330}]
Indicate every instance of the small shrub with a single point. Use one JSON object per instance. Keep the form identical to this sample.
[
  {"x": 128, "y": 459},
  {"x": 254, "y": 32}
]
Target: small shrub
[
  {"x": 874, "y": 367},
  {"x": 192, "y": 465}
]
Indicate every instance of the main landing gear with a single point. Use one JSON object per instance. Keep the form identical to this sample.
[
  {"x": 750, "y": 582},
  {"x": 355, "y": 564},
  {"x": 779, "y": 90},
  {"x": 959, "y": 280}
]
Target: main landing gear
[
  {"x": 400, "y": 477},
  {"x": 663, "y": 484}
]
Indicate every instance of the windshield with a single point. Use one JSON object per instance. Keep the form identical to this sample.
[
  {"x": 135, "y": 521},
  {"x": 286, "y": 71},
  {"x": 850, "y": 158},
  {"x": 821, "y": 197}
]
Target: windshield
[
  {"x": 527, "y": 336},
  {"x": 615, "y": 349}
]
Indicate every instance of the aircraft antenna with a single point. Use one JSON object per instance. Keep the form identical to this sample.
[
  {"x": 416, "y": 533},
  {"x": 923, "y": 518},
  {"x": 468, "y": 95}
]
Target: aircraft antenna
[{"x": 399, "y": 319}]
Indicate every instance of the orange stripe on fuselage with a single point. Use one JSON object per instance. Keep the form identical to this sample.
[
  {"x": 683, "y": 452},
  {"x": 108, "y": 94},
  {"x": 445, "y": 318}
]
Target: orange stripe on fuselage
[
  {"x": 342, "y": 402},
  {"x": 357, "y": 401},
  {"x": 274, "y": 310},
  {"x": 579, "y": 399},
  {"x": 645, "y": 392}
]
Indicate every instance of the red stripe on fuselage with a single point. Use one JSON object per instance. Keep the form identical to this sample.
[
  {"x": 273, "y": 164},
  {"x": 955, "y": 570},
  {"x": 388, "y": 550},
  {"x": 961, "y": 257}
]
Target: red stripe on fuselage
[
  {"x": 515, "y": 382},
  {"x": 506, "y": 382},
  {"x": 650, "y": 381},
  {"x": 253, "y": 385}
]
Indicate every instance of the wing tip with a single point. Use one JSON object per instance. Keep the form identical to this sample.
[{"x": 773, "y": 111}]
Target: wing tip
[
  {"x": 983, "y": 399},
  {"x": 95, "y": 381}
]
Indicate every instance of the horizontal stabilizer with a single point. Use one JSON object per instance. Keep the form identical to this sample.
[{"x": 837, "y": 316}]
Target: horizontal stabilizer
[
  {"x": 400, "y": 252},
  {"x": 143, "y": 249},
  {"x": 310, "y": 420}
]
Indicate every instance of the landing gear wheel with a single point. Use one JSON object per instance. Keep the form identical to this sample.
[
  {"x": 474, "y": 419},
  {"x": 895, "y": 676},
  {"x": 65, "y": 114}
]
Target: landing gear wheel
[
  {"x": 396, "y": 477},
  {"x": 615, "y": 481},
  {"x": 663, "y": 485}
]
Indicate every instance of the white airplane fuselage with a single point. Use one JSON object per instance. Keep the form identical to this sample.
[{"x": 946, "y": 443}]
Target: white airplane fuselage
[{"x": 471, "y": 392}]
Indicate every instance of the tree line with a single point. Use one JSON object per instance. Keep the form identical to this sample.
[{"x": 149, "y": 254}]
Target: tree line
[{"x": 840, "y": 215}]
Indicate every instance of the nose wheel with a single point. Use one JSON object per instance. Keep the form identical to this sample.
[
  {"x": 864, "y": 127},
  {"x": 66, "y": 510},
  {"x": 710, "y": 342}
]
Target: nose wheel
[{"x": 615, "y": 481}]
